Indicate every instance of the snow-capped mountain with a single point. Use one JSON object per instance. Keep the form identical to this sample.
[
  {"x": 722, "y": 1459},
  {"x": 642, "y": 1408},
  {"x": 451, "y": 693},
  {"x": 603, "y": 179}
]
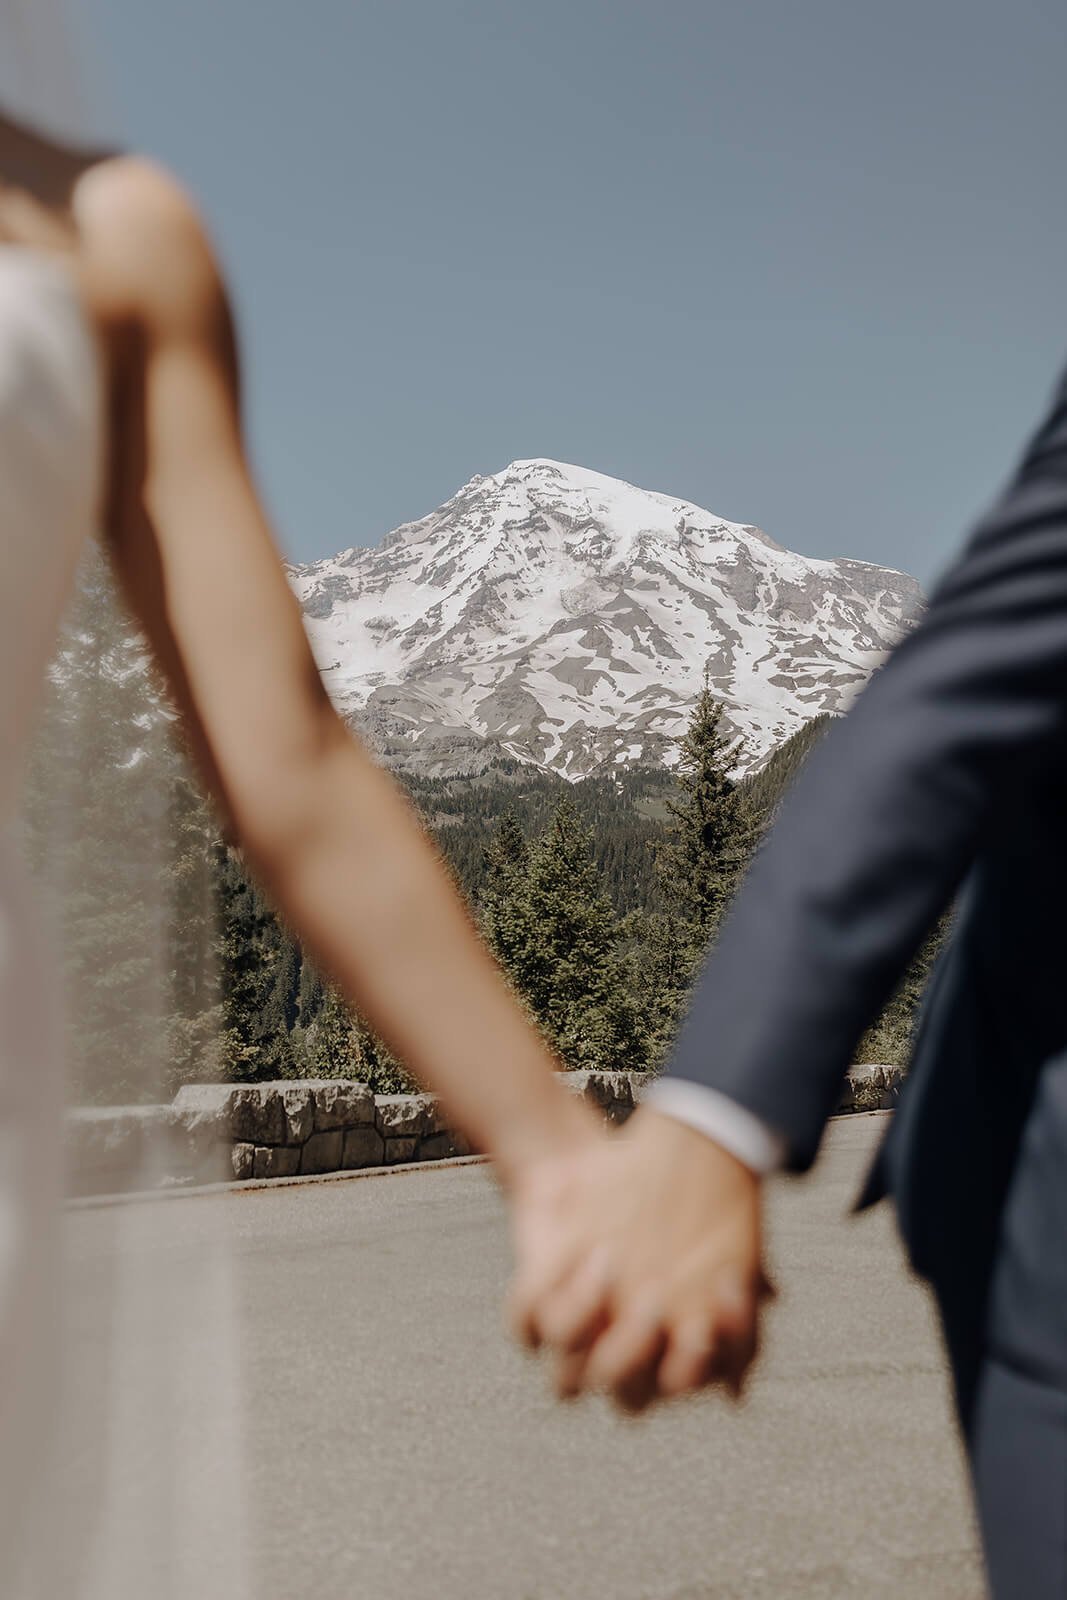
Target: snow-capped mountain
[{"x": 567, "y": 619}]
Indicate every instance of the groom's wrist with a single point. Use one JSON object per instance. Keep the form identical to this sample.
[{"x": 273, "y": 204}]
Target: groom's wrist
[{"x": 732, "y": 1126}]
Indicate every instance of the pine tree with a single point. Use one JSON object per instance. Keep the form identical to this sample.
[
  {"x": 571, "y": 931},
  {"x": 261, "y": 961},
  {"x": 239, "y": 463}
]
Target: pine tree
[
  {"x": 505, "y": 862},
  {"x": 95, "y": 808},
  {"x": 553, "y": 927},
  {"x": 191, "y": 939},
  {"x": 664, "y": 958},
  {"x": 708, "y": 844},
  {"x": 698, "y": 867},
  {"x": 283, "y": 1002},
  {"x": 376, "y": 1065},
  {"x": 332, "y": 1049},
  {"x": 764, "y": 790},
  {"x": 311, "y": 996},
  {"x": 255, "y": 978}
]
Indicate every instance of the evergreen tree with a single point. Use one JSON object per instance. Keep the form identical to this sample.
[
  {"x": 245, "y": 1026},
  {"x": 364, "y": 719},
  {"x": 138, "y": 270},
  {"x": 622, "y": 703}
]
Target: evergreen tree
[
  {"x": 95, "y": 809},
  {"x": 283, "y": 1005},
  {"x": 256, "y": 979},
  {"x": 178, "y": 968},
  {"x": 339, "y": 1044},
  {"x": 505, "y": 861},
  {"x": 553, "y": 927},
  {"x": 708, "y": 844},
  {"x": 376, "y": 1065},
  {"x": 765, "y": 789},
  {"x": 699, "y": 865},
  {"x": 664, "y": 959},
  {"x": 311, "y": 996},
  {"x": 625, "y": 810},
  {"x": 310, "y": 999},
  {"x": 191, "y": 940},
  {"x": 332, "y": 1049}
]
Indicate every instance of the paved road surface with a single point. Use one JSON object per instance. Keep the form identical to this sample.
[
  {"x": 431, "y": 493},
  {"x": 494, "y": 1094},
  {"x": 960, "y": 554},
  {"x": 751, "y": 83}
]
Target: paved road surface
[{"x": 398, "y": 1447}]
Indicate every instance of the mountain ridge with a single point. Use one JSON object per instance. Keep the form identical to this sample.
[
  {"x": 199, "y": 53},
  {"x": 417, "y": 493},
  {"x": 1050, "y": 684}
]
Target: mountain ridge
[{"x": 554, "y": 615}]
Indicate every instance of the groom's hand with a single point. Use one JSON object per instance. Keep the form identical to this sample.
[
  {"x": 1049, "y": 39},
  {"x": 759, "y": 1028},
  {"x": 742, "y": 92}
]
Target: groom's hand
[{"x": 639, "y": 1263}]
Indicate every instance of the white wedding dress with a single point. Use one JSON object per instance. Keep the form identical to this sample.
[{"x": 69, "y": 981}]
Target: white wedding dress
[
  {"x": 122, "y": 1472},
  {"x": 120, "y": 1442},
  {"x": 50, "y": 448}
]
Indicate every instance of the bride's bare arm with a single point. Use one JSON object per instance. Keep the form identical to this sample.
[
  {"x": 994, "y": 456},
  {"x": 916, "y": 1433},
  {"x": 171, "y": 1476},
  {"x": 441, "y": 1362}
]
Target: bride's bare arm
[{"x": 327, "y": 831}]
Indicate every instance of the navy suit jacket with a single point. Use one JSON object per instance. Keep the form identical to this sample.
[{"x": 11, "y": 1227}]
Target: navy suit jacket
[{"x": 947, "y": 772}]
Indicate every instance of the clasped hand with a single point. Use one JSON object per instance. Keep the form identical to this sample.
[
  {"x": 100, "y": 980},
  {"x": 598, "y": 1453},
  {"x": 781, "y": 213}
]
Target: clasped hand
[{"x": 640, "y": 1263}]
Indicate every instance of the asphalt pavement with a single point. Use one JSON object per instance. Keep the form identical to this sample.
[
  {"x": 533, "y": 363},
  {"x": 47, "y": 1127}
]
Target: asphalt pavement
[{"x": 335, "y": 1352}]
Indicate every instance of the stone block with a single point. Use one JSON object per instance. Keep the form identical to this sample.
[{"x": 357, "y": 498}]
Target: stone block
[
  {"x": 205, "y": 1106},
  {"x": 242, "y": 1157},
  {"x": 436, "y": 1118},
  {"x": 363, "y": 1147},
  {"x": 258, "y": 1115},
  {"x": 403, "y": 1115},
  {"x": 251, "y": 1113},
  {"x": 195, "y": 1152},
  {"x": 610, "y": 1092},
  {"x": 341, "y": 1103},
  {"x": 441, "y": 1146},
  {"x": 870, "y": 1087},
  {"x": 111, "y": 1149},
  {"x": 858, "y": 1081},
  {"x": 861, "y": 1084},
  {"x": 397, "y": 1150},
  {"x": 590, "y": 1085},
  {"x": 322, "y": 1152},
  {"x": 276, "y": 1161},
  {"x": 616, "y": 1095},
  {"x": 299, "y": 1107}
]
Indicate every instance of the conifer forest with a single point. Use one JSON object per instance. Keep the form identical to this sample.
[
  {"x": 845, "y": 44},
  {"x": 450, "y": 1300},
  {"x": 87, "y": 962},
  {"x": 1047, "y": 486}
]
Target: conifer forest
[{"x": 598, "y": 898}]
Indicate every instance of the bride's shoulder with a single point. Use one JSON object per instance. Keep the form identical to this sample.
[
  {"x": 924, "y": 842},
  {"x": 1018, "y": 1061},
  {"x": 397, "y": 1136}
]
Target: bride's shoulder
[{"x": 146, "y": 255}]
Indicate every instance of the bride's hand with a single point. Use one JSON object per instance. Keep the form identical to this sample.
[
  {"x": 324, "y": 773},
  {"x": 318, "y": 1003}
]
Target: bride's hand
[{"x": 639, "y": 1263}]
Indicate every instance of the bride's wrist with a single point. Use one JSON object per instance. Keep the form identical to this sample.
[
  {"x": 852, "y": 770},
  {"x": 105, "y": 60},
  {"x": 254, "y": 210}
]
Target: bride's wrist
[{"x": 561, "y": 1125}]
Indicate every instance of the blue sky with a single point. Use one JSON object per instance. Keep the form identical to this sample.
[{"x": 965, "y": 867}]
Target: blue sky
[{"x": 803, "y": 264}]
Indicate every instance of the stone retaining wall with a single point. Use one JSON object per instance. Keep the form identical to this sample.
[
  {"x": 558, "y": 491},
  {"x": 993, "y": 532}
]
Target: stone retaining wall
[{"x": 220, "y": 1132}]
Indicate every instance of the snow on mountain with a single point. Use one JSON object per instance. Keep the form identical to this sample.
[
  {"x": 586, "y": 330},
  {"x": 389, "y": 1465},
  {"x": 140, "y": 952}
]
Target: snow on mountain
[{"x": 567, "y": 619}]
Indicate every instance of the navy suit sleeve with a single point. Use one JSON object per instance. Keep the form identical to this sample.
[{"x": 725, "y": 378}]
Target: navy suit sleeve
[{"x": 888, "y": 814}]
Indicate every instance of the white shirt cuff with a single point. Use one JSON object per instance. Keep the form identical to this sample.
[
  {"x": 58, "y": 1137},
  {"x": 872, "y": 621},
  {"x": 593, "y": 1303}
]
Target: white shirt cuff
[{"x": 740, "y": 1131}]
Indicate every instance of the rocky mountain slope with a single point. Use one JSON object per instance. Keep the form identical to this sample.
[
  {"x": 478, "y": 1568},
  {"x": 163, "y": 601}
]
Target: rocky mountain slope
[{"x": 566, "y": 619}]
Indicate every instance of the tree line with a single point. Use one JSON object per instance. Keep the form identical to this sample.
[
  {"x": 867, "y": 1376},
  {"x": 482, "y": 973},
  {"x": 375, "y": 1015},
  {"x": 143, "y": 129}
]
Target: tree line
[{"x": 599, "y": 899}]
